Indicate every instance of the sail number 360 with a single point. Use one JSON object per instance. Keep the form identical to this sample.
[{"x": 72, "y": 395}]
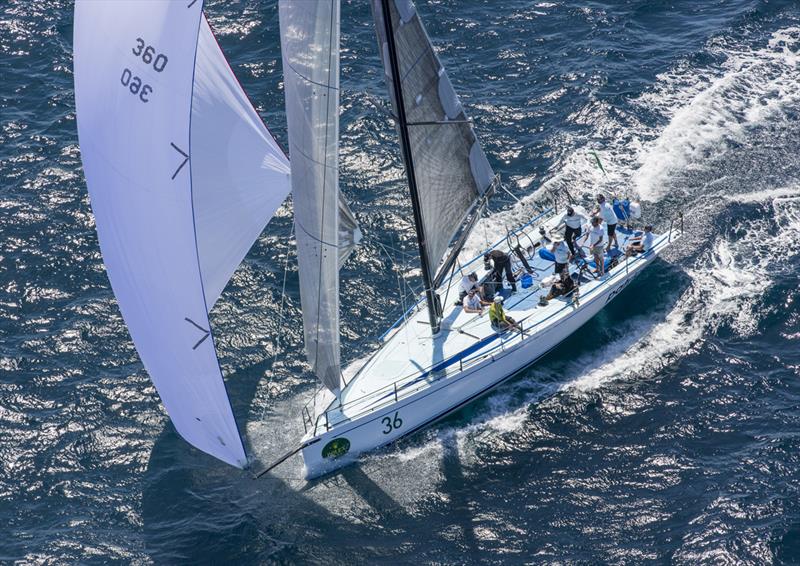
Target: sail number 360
[
  {"x": 149, "y": 56},
  {"x": 390, "y": 424}
]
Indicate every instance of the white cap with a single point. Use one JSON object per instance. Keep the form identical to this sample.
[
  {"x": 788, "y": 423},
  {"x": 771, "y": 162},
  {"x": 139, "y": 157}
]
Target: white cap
[
  {"x": 557, "y": 238},
  {"x": 498, "y": 298}
]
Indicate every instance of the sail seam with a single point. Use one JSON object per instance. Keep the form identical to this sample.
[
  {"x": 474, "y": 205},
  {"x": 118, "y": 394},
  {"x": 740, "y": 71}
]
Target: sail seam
[
  {"x": 313, "y": 82},
  {"x": 310, "y": 235},
  {"x": 308, "y": 157},
  {"x": 416, "y": 62}
]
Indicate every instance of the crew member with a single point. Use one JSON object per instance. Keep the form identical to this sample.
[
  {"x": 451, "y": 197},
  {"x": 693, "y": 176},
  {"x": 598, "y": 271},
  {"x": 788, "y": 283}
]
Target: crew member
[
  {"x": 468, "y": 282},
  {"x": 472, "y": 302},
  {"x": 501, "y": 263},
  {"x": 606, "y": 212},
  {"x": 642, "y": 243},
  {"x": 596, "y": 245},
  {"x": 572, "y": 221},
  {"x": 561, "y": 252},
  {"x": 562, "y": 287},
  {"x": 498, "y": 318}
]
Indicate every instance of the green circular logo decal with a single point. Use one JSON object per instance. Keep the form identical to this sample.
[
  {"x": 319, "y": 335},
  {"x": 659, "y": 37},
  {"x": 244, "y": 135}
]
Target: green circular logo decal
[{"x": 336, "y": 448}]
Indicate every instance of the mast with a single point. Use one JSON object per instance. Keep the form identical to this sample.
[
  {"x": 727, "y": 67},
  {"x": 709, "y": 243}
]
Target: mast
[{"x": 405, "y": 144}]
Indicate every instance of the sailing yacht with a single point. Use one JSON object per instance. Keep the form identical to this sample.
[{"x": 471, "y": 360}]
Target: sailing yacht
[{"x": 183, "y": 176}]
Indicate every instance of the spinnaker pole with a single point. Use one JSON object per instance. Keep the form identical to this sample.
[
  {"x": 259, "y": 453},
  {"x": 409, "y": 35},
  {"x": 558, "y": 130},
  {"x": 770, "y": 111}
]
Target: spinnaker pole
[{"x": 405, "y": 144}]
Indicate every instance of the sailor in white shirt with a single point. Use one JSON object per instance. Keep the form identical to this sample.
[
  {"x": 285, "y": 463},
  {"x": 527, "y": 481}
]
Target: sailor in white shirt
[
  {"x": 640, "y": 244},
  {"x": 606, "y": 212},
  {"x": 472, "y": 302},
  {"x": 468, "y": 282},
  {"x": 561, "y": 252},
  {"x": 647, "y": 239},
  {"x": 596, "y": 244},
  {"x": 572, "y": 221}
]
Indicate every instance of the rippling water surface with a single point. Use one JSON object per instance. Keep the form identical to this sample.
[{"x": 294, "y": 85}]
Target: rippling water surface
[{"x": 666, "y": 430}]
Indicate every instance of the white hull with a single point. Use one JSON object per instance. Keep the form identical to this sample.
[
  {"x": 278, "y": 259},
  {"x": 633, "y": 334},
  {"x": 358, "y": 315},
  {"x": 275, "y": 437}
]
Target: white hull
[{"x": 394, "y": 414}]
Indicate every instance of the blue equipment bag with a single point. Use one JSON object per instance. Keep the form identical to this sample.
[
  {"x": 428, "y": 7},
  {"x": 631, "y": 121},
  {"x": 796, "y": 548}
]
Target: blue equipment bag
[{"x": 622, "y": 209}]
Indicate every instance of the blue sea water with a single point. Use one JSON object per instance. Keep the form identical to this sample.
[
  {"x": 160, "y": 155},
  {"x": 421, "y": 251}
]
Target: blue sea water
[{"x": 666, "y": 430}]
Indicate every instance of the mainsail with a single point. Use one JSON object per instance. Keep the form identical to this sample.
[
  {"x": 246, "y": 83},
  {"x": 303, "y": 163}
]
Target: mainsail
[
  {"x": 183, "y": 176},
  {"x": 324, "y": 226},
  {"x": 451, "y": 171}
]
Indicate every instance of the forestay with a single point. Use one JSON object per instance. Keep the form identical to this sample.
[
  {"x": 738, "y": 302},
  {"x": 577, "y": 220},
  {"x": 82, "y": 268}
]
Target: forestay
[
  {"x": 182, "y": 176},
  {"x": 325, "y": 228},
  {"x": 452, "y": 172}
]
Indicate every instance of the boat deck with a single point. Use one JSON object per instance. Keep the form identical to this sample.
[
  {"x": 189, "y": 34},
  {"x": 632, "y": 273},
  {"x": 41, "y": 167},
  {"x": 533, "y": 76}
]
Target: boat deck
[{"x": 411, "y": 359}]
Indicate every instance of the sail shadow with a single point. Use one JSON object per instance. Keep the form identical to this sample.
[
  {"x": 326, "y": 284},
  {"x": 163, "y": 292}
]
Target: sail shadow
[
  {"x": 380, "y": 501},
  {"x": 197, "y": 510},
  {"x": 269, "y": 427},
  {"x": 454, "y": 485},
  {"x": 438, "y": 344}
]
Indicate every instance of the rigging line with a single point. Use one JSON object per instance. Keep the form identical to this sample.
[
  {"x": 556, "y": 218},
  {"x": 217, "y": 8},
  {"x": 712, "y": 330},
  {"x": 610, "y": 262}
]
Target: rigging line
[
  {"x": 399, "y": 284},
  {"x": 402, "y": 297},
  {"x": 502, "y": 219},
  {"x": 376, "y": 100},
  {"x": 400, "y": 281},
  {"x": 413, "y": 292},
  {"x": 385, "y": 248},
  {"x": 308, "y": 80},
  {"x": 313, "y": 401},
  {"x": 280, "y": 315},
  {"x": 298, "y": 151},
  {"x": 439, "y": 122},
  {"x": 515, "y": 197},
  {"x": 323, "y": 242},
  {"x": 452, "y": 272},
  {"x": 405, "y": 307},
  {"x": 485, "y": 228},
  {"x": 391, "y": 259},
  {"x": 390, "y": 247}
]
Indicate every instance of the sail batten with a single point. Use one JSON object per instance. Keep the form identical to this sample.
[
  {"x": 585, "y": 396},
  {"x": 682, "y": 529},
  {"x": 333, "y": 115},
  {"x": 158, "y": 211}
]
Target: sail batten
[{"x": 451, "y": 171}]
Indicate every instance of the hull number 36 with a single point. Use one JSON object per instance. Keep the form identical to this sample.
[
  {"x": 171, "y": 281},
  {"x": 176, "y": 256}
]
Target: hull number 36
[{"x": 391, "y": 423}]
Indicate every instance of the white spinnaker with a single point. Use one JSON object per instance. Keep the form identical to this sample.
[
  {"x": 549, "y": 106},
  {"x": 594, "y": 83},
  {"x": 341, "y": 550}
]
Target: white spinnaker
[
  {"x": 310, "y": 46},
  {"x": 136, "y": 142},
  {"x": 240, "y": 176}
]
